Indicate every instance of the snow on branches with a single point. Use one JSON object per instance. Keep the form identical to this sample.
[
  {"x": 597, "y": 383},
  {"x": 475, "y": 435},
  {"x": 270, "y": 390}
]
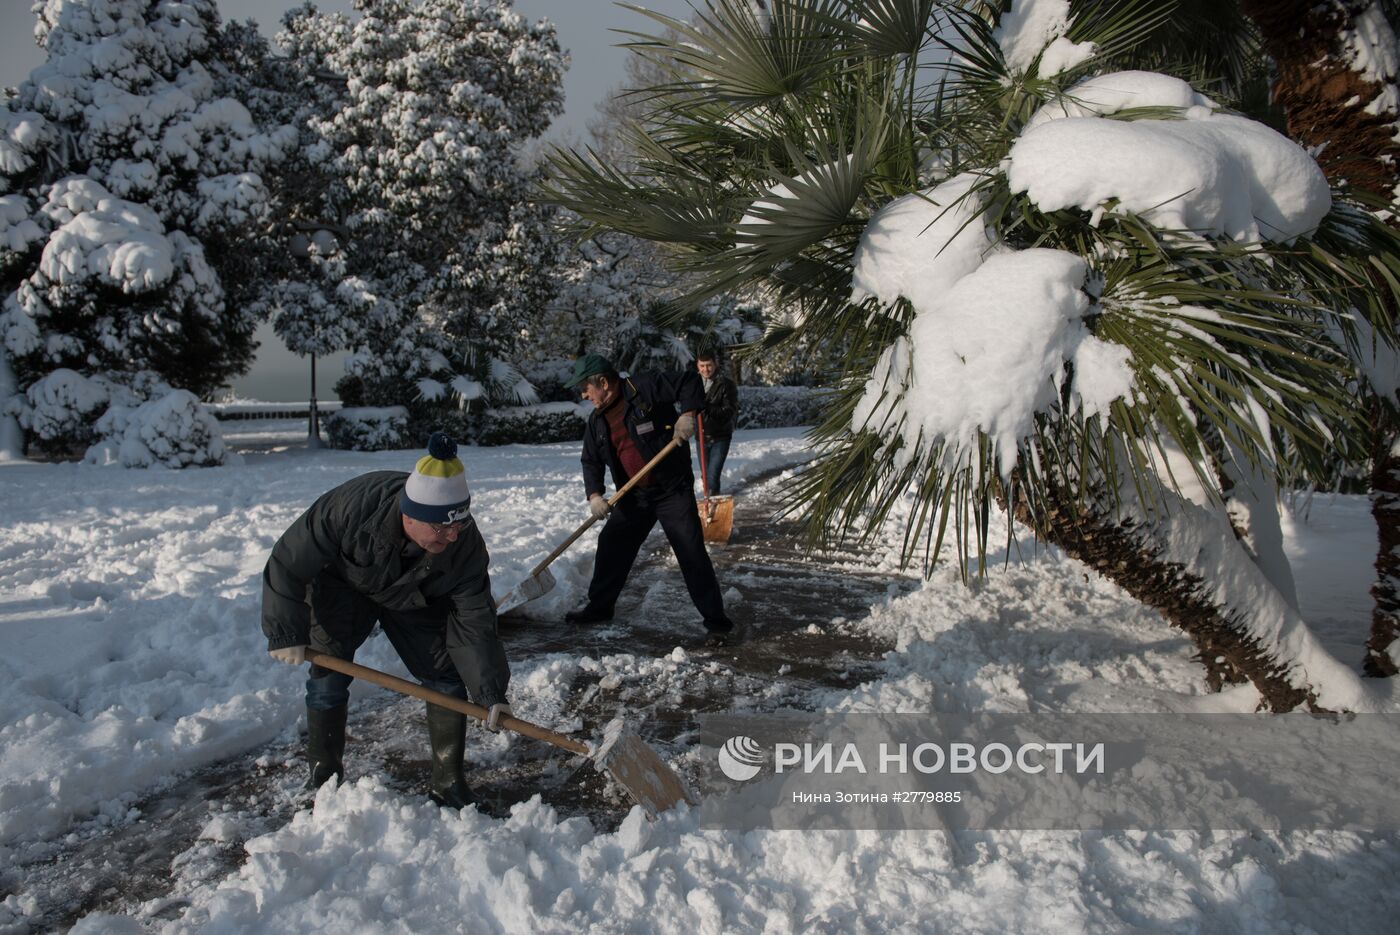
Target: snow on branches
[{"x": 126, "y": 162}]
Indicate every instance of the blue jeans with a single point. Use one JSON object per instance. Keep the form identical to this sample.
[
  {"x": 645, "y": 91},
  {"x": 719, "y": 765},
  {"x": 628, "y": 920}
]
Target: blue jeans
[{"x": 716, "y": 450}]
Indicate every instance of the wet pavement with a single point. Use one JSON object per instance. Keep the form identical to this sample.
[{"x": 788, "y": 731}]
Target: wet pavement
[{"x": 802, "y": 614}]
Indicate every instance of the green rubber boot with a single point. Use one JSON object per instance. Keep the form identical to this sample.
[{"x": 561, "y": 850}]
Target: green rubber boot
[
  {"x": 447, "y": 732},
  {"x": 325, "y": 744}
]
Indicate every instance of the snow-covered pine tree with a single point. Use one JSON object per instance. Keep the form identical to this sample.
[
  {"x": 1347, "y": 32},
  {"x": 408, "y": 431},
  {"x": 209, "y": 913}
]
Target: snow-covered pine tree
[
  {"x": 129, "y": 169},
  {"x": 611, "y": 299},
  {"x": 416, "y": 144}
]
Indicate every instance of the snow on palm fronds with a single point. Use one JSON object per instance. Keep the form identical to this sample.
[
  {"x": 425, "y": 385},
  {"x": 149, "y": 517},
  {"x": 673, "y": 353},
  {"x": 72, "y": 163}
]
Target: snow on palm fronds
[
  {"x": 1032, "y": 276},
  {"x": 1100, "y": 254}
]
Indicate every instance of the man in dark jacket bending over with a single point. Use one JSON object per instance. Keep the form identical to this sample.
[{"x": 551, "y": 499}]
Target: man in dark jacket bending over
[
  {"x": 632, "y": 420},
  {"x": 404, "y": 550}
]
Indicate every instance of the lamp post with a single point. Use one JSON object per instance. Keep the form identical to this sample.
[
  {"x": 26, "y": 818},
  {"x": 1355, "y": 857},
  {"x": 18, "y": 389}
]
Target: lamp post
[
  {"x": 313, "y": 430},
  {"x": 323, "y": 237}
]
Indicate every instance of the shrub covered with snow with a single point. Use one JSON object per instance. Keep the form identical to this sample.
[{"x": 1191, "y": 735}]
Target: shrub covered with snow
[
  {"x": 531, "y": 425},
  {"x": 60, "y": 409},
  {"x": 172, "y": 430},
  {"x": 368, "y": 428},
  {"x": 773, "y": 407}
]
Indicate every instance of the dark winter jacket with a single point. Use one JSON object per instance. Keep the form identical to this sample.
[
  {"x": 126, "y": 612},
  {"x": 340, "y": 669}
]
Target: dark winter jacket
[
  {"x": 354, "y": 534},
  {"x": 652, "y": 400},
  {"x": 721, "y": 407}
]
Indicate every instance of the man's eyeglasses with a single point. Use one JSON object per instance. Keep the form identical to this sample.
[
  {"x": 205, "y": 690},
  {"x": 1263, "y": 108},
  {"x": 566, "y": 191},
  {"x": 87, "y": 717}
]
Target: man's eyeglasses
[{"x": 443, "y": 529}]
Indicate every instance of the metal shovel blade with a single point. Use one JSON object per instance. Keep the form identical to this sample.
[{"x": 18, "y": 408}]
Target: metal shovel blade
[
  {"x": 640, "y": 770},
  {"x": 621, "y": 754},
  {"x": 537, "y": 585}
]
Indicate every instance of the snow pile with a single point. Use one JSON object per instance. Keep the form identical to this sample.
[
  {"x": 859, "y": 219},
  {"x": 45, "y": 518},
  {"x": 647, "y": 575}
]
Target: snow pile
[
  {"x": 23, "y": 135},
  {"x": 1034, "y": 30},
  {"x": 151, "y": 592},
  {"x": 116, "y": 242},
  {"x": 1104, "y": 95},
  {"x": 142, "y": 424},
  {"x": 367, "y": 428},
  {"x": 17, "y": 229},
  {"x": 1374, "y": 354},
  {"x": 172, "y": 431}
]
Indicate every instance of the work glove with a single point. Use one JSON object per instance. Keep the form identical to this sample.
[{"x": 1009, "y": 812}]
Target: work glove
[
  {"x": 685, "y": 427},
  {"x": 291, "y": 655},
  {"x": 598, "y": 506},
  {"x": 493, "y": 717}
]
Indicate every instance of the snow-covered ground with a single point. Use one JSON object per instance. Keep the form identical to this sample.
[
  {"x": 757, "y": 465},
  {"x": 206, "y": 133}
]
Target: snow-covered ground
[{"x": 129, "y": 607}]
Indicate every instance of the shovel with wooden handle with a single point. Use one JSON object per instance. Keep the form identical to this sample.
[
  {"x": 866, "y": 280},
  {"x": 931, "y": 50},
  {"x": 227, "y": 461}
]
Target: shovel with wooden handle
[
  {"x": 622, "y": 754},
  {"x": 540, "y": 581},
  {"x": 717, "y": 512}
]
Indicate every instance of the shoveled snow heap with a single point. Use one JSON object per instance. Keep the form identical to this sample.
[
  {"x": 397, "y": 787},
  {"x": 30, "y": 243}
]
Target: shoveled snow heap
[{"x": 133, "y": 654}]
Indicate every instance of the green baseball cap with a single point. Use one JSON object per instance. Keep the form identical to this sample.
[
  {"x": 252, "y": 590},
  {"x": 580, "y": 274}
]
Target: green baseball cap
[{"x": 590, "y": 365}]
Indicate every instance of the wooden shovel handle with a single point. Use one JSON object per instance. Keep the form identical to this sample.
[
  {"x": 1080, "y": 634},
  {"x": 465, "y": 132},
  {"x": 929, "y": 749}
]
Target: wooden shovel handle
[
  {"x": 700, "y": 443},
  {"x": 405, "y": 687},
  {"x": 671, "y": 446}
]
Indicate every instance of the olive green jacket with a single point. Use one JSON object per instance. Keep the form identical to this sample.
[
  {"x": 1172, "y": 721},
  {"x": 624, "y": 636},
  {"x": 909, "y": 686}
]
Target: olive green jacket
[{"x": 354, "y": 533}]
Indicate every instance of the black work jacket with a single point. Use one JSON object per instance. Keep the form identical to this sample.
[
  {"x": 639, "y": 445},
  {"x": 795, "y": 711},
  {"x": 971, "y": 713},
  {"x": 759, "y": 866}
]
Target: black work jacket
[
  {"x": 651, "y": 400},
  {"x": 721, "y": 407},
  {"x": 354, "y": 533}
]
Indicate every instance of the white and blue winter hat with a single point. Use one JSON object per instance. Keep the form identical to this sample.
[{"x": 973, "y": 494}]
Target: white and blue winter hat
[{"x": 436, "y": 491}]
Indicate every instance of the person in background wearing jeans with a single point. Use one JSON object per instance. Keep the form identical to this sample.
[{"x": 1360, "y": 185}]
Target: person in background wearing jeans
[{"x": 721, "y": 409}]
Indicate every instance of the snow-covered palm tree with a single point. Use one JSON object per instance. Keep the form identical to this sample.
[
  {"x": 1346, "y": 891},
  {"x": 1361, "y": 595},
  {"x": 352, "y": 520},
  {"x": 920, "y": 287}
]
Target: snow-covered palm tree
[{"x": 1098, "y": 298}]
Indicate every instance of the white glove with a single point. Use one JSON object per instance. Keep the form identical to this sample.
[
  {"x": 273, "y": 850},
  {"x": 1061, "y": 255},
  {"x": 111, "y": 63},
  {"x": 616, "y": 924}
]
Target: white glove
[
  {"x": 685, "y": 427},
  {"x": 598, "y": 506},
  {"x": 291, "y": 655},
  {"x": 493, "y": 717}
]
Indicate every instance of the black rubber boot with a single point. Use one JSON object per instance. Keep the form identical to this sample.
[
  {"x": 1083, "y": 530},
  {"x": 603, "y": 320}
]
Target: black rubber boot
[
  {"x": 325, "y": 744},
  {"x": 447, "y": 732}
]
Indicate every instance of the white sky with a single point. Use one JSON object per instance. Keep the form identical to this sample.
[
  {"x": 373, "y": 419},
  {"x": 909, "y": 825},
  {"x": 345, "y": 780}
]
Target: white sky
[{"x": 596, "y": 66}]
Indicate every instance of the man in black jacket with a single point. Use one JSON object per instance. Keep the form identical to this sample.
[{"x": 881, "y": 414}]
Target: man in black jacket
[
  {"x": 403, "y": 550},
  {"x": 633, "y": 418},
  {"x": 717, "y": 424}
]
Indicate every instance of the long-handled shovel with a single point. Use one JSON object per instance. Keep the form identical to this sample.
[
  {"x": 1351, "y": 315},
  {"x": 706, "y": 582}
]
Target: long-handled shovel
[
  {"x": 717, "y": 512},
  {"x": 622, "y": 754},
  {"x": 540, "y": 581}
]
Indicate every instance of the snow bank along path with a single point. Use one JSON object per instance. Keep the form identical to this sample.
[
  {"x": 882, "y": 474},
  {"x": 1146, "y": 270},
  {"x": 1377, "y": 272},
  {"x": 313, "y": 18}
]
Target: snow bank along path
[{"x": 130, "y": 611}]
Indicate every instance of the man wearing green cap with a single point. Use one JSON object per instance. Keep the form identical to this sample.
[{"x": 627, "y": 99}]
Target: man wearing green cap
[
  {"x": 634, "y": 418},
  {"x": 402, "y": 550}
]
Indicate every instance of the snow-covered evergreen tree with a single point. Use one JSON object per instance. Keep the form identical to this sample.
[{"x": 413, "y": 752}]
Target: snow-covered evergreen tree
[
  {"x": 611, "y": 299},
  {"x": 129, "y": 172},
  {"x": 415, "y": 130}
]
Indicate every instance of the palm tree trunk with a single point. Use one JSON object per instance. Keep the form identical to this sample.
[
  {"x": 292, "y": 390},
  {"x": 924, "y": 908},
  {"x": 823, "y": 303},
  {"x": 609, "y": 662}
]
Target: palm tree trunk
[
  {"x": 1325, "y": 100},
  {"x": 1323, "y": 97},
  {"x": 1121, "y": 552},
  {"x": 1382, "y": 649}
]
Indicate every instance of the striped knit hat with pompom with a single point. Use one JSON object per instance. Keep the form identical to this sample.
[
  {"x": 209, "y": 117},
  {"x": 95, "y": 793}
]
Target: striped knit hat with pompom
[{"x": 436, "y": 491}]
